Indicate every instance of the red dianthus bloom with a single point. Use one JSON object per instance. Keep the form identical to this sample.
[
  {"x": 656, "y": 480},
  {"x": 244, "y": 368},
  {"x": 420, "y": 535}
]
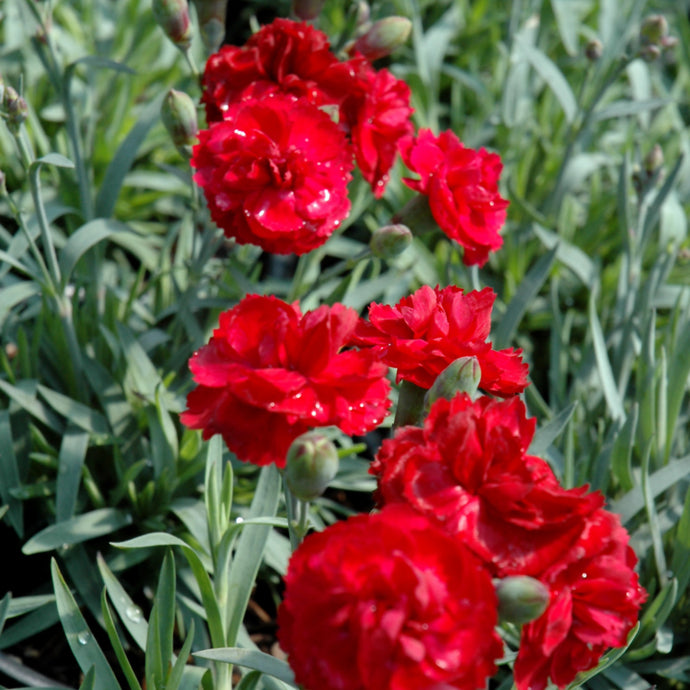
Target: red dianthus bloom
[
  {"x": 462, "y": 187},
  {"x": 275, "y": 174},
  {"x": 282, "y": 57},
  {"x": 595, "y": 602},
  {"x": 469, "y": 470},
  {"x": 269, "y": 374},
  {"x": 388, "y": 602},
  {"x": 425, "y": 332},
  {"x": 378, "y": 117}
]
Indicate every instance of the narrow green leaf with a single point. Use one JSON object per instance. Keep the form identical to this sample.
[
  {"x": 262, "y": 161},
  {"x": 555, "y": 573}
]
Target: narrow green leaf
[
  {"x": 680, "y": 561},
  {"x": 568, "y": 254},
  {"x": 259, "y": 661},
  {"x": 621, "y": 453},
  {"x": 77, "y": 413},
  {"x": 678, "y": 372},
  {"x": 250, "y": 548},
  {"x": 124, "y": 157},
  {"x": 621, "y": 109},
  {"x": 117, "y": 645},
  {"x": 608, "y": 384},
  {"x": 9, "y": 475},
  {"x": 177, "y": 672},
  {"x": 549, "y": 72},
  {"x": 631, "y": 503},
  {"x": 4, "y": 609},
  {"x": 530, "y": 286},
  {"x": 89, "y": 681},
  {"x": 545, "y": 435},
  {"x": 80, "y": 639},
  {"x": 56, "y": 159},
  {"x": 73, "y": 448},
  {"x": 130, "y": 614},
  {"x": 96, "y": 523},
  {"x": 14, "y": 294},
  {"x": 195, "y": 562},
  {"x": 87, "y": 236},
  {"x": 159, "y": 640},
  {"x": 21, "y": 605}
]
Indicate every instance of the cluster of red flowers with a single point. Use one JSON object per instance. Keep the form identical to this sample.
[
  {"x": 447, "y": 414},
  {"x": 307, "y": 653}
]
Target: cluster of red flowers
[
  {"x": 383, "y": 613},
  {"x": 402, "y": 599},
  {"x": 286, "y": 118}
]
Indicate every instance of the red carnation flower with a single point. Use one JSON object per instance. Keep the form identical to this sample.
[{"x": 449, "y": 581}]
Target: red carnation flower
[
  {"x": 269, "y": 374},
  {"x": 462, "y": 187},
  {"x": 468, "y": 469},
  {"x": 595, "y": 601},
  {"x": 388, "y": 602},
  {"x": 378, "y": 117},
  {"x": 425, "y": 332},
  {"x": 275, "y": 174},
  {"x": 285, "y": 57}
]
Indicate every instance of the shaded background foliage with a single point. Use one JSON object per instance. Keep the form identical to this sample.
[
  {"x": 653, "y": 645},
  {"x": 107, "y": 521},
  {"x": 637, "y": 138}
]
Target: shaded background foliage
[{"x": 593, "y": 282}]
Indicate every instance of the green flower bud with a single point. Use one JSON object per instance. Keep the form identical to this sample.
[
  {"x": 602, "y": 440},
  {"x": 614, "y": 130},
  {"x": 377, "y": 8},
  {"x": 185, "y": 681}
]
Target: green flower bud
[
  {"x": 306, "y": 9},
  {"x": 383, "y": 37},
  {"x": 312, "y": 462},
  {"x": 211, "y": 16},
  {"x": 363, "y": 19},
  {"x": 16, "y": 109},
  {"x": 521, "y": 599},
  {"x": 178, "y": 113},
  {"x": 461, "y": 376},
  {"x": 653, "y": 29},
  {"x": 390, "y": 241},
  {"x": 173, "y": 17}
]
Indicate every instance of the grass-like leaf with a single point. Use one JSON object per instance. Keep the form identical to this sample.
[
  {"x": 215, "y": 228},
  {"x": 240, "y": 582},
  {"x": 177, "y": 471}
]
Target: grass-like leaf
[
  {"x": 96, "y": 523},
  {"x": 259, "y": 661},
  {"x": 79, "y": 637}
]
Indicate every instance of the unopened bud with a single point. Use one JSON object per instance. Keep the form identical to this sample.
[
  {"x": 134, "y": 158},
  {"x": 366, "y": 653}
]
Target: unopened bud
[
  {"x": 653, "y": 29},
  {"x": 390, "y": 241},
  {"x": 594, "y": 50},
  {"x": 521, "y": 599},
  {"x": 178, "y": 113},
  {"x": 306, "y": 9},
  {"x": 668, "y": 43},
  {"x": 312, "y": 462},
  {"x": 383, "y": 37},
  {"x": 15, "y": 109},
  {"x": 211, "y": 16},
  {"x": 173, "y": 17},
  {"x": 654, "y": 160},
  {"x": 461, "y": 376},
  {"x": 11, "y": 351}
]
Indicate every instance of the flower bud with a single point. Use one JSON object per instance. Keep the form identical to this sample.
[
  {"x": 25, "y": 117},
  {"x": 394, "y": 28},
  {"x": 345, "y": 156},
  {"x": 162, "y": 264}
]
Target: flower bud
[
  {"x": 390, "y": 241},
  {"x": 211, "y": 16},
  {"x": 16, "y": 109},
  {"x": 312, "y": 462},
  {"x": 521, "y": 599},
  {"x": 178, "y": 113},
  {"x": 383, "y": 37},
  {"x": 306, "y": 10},
  {"x": 594, "y": 50},
  {"x": 654, "y": 160},
  {"x": 173, "y": 17},
  {"x": 653, "y": 29},
  {"x": 461, "y": 376}
]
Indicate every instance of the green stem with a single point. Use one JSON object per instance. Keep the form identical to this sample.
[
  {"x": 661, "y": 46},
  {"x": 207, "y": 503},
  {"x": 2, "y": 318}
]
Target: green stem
[{"x": 291, "y": 517}]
